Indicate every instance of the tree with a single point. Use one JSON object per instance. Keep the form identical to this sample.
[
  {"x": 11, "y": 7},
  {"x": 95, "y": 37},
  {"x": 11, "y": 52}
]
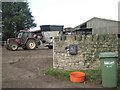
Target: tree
[{"x": 15, "y": 16}]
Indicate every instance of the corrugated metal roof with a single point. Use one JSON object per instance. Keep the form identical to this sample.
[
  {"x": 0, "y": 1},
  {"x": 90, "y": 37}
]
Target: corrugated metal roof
[{"x": 94, "y": 19}]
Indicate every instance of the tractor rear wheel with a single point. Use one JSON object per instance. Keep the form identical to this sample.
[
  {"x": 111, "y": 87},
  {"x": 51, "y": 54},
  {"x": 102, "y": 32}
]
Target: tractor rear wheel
[
  {"x": 31, "y": 44},
  {"x": 24, "y": 48},
  {"x": 13, "y": 46},
  {"x": 50, "y": 46}
]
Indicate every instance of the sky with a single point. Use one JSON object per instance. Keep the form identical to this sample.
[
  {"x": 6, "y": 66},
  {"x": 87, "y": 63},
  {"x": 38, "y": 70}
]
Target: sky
[{"x": 71, "y": 13}]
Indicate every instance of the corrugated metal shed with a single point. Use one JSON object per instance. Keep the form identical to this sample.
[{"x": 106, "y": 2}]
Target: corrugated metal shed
[{"x": 100, "y": 26}]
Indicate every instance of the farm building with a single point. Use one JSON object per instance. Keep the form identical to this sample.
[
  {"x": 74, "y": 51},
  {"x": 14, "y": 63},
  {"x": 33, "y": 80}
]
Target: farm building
[
  {"x": 97, "y": 26},
  {"x": 67, "y": 30}
]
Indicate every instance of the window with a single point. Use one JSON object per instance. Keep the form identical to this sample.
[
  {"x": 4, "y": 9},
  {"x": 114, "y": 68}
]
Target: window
[
  {"x": 25, "y": 35},
  {"x": 30, "y": 35},
  {"x": 20, "y": 35}
]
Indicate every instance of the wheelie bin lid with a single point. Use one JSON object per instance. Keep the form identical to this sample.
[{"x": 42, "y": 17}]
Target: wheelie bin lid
[{"x": 108, "y": 55}]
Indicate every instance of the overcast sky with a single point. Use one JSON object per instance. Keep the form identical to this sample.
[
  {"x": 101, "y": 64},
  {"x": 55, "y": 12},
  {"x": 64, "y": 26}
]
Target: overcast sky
[{"x": 71, "y": 13}]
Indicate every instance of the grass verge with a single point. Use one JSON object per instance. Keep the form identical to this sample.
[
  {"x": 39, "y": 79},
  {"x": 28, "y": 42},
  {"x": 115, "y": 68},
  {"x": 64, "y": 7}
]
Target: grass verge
[{"x": 91, "y": 74}]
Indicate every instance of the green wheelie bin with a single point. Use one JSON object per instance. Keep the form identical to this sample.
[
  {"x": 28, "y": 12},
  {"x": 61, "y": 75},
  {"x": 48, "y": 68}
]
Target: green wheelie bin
[{"x": 109, "y": 68}]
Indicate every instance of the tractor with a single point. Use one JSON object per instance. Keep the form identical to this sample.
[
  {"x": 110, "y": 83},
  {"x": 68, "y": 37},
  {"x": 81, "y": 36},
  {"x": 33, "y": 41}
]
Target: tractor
[
  {"x": 25, "y": 39},
  {"x": 32, "y": 39}
]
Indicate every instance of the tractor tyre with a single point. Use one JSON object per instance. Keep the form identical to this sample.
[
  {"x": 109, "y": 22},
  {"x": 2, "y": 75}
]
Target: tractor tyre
[
  {"x": 50, "y": 46},
  {"x": 13, "y": 46},
  {"x": 31, "y": 44},
  {"x": 24, "y": 48}
]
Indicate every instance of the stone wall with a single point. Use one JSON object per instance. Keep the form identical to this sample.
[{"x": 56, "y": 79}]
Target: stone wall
[{"x": 88, "y": 49}]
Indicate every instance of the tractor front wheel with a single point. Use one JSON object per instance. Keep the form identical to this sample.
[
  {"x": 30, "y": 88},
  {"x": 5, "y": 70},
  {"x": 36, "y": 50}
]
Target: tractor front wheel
[
  {"x": 13, "y": 46},
  {"x": 31, "y": 44}
]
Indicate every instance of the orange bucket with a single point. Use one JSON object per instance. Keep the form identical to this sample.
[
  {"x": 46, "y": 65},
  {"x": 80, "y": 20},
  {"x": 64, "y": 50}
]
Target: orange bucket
[{"x": 77, "y": 76}]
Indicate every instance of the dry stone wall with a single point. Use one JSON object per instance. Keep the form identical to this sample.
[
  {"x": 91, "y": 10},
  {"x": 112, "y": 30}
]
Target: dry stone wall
[{"x": 88, "y": 49}]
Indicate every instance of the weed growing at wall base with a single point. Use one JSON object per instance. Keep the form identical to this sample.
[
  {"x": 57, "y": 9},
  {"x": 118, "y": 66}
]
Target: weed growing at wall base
[{"x": 91, "y": 74}]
